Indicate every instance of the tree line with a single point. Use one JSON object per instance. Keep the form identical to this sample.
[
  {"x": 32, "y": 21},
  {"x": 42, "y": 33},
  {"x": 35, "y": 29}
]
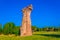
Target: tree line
[{"x": 11, "y": 28}]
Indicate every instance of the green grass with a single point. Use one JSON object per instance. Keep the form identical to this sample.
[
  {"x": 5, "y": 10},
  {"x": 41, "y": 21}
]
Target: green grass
[{"x": 35, "y": 36}]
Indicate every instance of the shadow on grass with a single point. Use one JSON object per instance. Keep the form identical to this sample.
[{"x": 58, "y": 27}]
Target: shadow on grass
[{"x": 50, "y": 35}]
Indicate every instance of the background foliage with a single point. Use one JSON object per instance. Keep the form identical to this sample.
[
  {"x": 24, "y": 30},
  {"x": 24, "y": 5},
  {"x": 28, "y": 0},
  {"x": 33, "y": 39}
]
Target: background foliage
[{"x": 11, "y": 28}]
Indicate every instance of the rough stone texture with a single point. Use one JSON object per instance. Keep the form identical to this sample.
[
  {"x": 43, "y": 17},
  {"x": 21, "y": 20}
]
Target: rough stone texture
[{"x": 26, "y": 22}]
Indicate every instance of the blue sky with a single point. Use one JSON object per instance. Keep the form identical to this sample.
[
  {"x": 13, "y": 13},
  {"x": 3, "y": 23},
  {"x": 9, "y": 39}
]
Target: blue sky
[{"x": 44, "y": 13}]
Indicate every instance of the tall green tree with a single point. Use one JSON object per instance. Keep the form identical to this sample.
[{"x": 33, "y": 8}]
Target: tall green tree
[{"x": 8, "y": 28}]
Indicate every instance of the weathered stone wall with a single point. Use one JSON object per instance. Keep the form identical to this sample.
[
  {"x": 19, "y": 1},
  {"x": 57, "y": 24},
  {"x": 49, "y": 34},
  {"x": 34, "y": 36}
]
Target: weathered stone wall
[{"x": 26, "y": 21}]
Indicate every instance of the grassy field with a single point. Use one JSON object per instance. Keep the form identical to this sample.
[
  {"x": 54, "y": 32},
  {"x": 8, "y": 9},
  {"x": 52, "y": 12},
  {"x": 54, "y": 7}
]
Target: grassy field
[{"x": 35, "y": 36}]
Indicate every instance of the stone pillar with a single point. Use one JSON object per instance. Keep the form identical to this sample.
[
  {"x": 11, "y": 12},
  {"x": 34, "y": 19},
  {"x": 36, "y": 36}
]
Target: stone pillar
[{"x": 26, "y": 22}]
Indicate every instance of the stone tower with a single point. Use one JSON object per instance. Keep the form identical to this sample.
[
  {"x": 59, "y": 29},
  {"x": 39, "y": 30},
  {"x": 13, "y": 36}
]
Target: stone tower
[{"x": 26, "y": 21}]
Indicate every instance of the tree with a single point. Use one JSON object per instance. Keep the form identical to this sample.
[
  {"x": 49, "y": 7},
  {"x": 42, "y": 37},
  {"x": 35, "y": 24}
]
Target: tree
[
  {"x": 34, "y": 29},
  {"x": 8, "y": 28},
  {"x": 17, "y": 30},
  {"x": 40, "y": 29},
  {"x": 0, "y": 28}
]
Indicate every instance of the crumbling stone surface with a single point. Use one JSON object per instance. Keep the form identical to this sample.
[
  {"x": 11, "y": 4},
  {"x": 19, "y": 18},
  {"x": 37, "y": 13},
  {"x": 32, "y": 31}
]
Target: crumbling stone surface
[{"x": 25, "y": 29}]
